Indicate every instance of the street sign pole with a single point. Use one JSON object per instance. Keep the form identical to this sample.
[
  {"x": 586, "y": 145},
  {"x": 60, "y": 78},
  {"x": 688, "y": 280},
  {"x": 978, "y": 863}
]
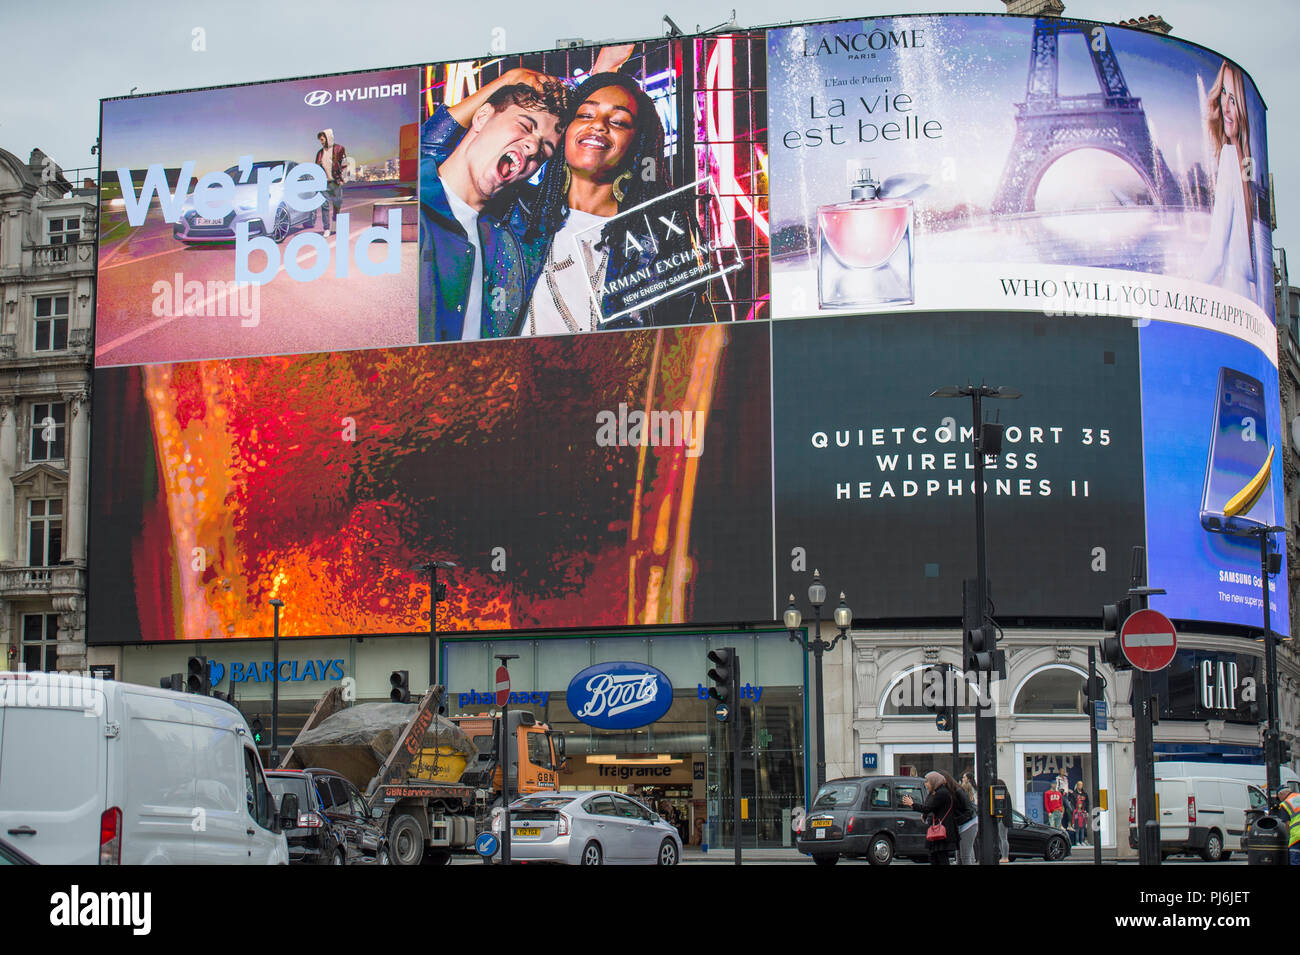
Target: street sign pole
[
  {"x": 735, "y": 754},
  {"x": 1145, "y": 651},
  {"x": 1094, "y": 693},
  {"x": 509, "y": 747}
]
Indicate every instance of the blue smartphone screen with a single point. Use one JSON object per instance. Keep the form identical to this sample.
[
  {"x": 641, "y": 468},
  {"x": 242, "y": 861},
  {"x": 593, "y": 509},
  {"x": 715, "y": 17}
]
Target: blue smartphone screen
[{"x": 1239, "y": 447}]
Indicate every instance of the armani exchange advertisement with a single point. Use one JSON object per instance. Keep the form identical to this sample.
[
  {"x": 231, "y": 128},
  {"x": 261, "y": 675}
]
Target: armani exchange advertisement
[
  {"x": 593, "y": 189},
  {"x": 921, "y": 166}
]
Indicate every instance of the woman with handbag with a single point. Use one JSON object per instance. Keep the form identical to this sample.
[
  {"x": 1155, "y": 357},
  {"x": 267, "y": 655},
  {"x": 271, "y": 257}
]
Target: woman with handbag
[{"x": 940, "y": 809}]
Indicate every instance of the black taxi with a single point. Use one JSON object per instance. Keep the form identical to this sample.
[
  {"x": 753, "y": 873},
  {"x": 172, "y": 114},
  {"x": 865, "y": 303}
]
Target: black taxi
[{"x": 865, "y": 817}]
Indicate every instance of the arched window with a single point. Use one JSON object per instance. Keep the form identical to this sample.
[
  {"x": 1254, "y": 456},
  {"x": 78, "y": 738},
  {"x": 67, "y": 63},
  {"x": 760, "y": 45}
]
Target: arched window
[
  {"x": 1053, "y": 691},
  {"x": 911, "y": 693}
]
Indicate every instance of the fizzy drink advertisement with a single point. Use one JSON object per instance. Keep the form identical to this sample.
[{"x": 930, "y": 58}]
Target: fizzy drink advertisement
[{"x": 920, "y": 165}]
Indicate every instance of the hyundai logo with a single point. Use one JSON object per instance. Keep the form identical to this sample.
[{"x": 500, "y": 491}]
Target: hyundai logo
[{"x": 317, "y": 98}]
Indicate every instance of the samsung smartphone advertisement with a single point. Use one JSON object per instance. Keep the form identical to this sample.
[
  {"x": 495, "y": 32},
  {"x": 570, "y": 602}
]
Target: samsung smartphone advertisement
[{"x": 920, "y": 165}]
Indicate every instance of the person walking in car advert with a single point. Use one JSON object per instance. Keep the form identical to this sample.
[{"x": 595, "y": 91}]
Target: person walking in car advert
[{"x": 330, "y": 157}]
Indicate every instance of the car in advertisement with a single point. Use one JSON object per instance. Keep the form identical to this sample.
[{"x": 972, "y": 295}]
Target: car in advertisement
[{"x": 280, "y": 218}]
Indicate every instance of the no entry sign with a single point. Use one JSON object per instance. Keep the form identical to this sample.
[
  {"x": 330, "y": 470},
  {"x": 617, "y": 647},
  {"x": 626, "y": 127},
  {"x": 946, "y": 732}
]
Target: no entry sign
[
  {"x": 1148, "y": 640},
  {"x": 503, "y": 686}
]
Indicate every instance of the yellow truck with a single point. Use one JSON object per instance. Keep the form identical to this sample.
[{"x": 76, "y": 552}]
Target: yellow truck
[{"x": 433, "y": 780}]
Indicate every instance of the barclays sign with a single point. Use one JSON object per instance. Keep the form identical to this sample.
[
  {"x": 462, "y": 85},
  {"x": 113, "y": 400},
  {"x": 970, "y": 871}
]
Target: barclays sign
[{"x": 619, "y": 696}]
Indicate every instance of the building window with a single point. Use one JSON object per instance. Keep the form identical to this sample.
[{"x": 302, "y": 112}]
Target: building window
[
  {"x": 40, "y": 641},
  {"x": 44, "y": 532},
  {"x": 49, "y": 422},
  {"x": 1053, "y": 691},
  {"x": 65, "y": 231},
  {"x": 51, "y": 323}
]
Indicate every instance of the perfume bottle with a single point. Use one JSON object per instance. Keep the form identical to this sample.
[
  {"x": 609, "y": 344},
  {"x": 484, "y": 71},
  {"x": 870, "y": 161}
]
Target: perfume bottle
[{"x": 865, "y": 248}]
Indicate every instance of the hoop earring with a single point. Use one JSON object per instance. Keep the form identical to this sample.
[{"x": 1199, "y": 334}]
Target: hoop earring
[{"x": 620, "y": 183}]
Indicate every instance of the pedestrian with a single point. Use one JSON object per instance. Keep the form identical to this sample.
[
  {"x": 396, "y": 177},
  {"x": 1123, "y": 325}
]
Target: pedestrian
[
  {"x": 1079, "y": 798},
  {"x": 1054, "y": 805},
  {"x": 1003, "y": 842},
  {"x": 968, "y": 830},
  {"x": 939, "y": 808},
  {"x": 1288, "y": 802}
]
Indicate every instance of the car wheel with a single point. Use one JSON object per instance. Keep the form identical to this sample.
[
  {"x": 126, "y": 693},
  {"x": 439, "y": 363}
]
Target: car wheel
[
  {"x": 668, "y": 853},
  {"x": 338, "y": 858},
  {"x": 406, "y": 840},
  {"x": 881, "y": 851},
  {"x": 281, "y": 227},
  {"x": 591, "y": 854},
  {"x": 1213, "y": 851},
  {"x": 826, "y": 860},
  {"x": 1056, "y": 849},
  {"x": 382, "y": 857}
]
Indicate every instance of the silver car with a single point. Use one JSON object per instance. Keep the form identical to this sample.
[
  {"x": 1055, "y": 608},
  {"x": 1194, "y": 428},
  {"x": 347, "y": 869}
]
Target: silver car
[
  {"x": 193, "y": 228},
  {"x": 596, "y": 827}
]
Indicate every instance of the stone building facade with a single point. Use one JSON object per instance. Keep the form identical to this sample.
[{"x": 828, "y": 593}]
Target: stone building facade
[{"x": 47, "y": 302}]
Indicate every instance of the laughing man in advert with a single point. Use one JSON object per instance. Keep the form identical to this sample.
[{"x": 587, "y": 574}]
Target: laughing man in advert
[
  {"x": 608, "y": 160},
  {"x": 331, "y": 158},
  {"x": 474, "y": 271}
]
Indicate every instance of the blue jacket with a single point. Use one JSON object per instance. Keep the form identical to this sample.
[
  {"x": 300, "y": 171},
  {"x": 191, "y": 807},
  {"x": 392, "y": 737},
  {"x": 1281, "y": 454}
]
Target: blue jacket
[{"x": 510, "y": 266}]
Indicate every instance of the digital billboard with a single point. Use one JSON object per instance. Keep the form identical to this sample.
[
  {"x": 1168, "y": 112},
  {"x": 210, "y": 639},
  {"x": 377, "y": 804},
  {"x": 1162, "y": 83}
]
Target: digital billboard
[{"x": 299, "y": 393}]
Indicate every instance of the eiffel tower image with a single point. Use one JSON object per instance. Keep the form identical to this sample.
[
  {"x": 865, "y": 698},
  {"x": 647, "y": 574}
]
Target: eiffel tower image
[{"x": 1049, "y": 125}]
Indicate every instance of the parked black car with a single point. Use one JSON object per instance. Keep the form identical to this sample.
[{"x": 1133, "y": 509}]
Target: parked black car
[
  {"x": 864, "y": 817},
  {"x": 1028, "y": 839},
  {"x": 335, "y": 827}
]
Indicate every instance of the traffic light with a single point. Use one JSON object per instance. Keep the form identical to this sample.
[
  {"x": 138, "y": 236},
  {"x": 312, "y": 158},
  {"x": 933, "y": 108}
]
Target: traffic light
[
  {"x": 943, "y": 720},
  {"x": 257, "y": 730},
  {"x": 979, "y": 640},
  {"x": 725, "y": 674},
  {"x": 401, "y": 683},
  {"x": 1112, "y": 619},
  {"x": 174, "y": 682},
  {"x": 196, "y": 680}
]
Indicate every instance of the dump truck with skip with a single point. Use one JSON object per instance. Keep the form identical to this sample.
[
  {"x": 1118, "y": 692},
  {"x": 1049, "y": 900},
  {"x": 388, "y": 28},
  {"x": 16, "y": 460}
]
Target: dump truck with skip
[{"x": 432, "y": 780}]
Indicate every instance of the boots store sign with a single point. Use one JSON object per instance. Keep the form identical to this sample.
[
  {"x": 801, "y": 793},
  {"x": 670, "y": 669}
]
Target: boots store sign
[
  {"x": 619, "y": 696},
  {"x": 1203, "y": 685}
]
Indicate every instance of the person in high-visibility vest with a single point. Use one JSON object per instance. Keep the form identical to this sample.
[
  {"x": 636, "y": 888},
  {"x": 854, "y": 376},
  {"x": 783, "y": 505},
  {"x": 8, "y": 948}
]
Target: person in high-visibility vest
[{"x": 1289, "y": 800}]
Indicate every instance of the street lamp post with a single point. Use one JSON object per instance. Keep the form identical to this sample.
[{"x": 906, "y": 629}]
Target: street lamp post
[
  {"x": 437, "y": 594},
  {"x": 818, "y": 646},
  {"x": 276, "y": 604},
  {"x": 985, "y": 718},
  {"x": 1272, "y": 736}
]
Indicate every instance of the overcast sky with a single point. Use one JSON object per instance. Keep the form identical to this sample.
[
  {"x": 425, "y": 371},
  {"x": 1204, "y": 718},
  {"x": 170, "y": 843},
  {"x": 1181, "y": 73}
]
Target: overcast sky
[{"x": 56, "y": 67}]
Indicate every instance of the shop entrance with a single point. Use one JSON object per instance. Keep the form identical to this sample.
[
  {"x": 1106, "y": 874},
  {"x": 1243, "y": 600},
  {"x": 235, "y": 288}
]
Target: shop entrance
[{"x": 771, "y": 771}]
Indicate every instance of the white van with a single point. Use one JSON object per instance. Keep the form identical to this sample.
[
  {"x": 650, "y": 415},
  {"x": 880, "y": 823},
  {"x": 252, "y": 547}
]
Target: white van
[
  {"x": 1201, "y": 815},
  {"x": 1174, "y": 769},
  {"x": 99, "y": 772}
]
